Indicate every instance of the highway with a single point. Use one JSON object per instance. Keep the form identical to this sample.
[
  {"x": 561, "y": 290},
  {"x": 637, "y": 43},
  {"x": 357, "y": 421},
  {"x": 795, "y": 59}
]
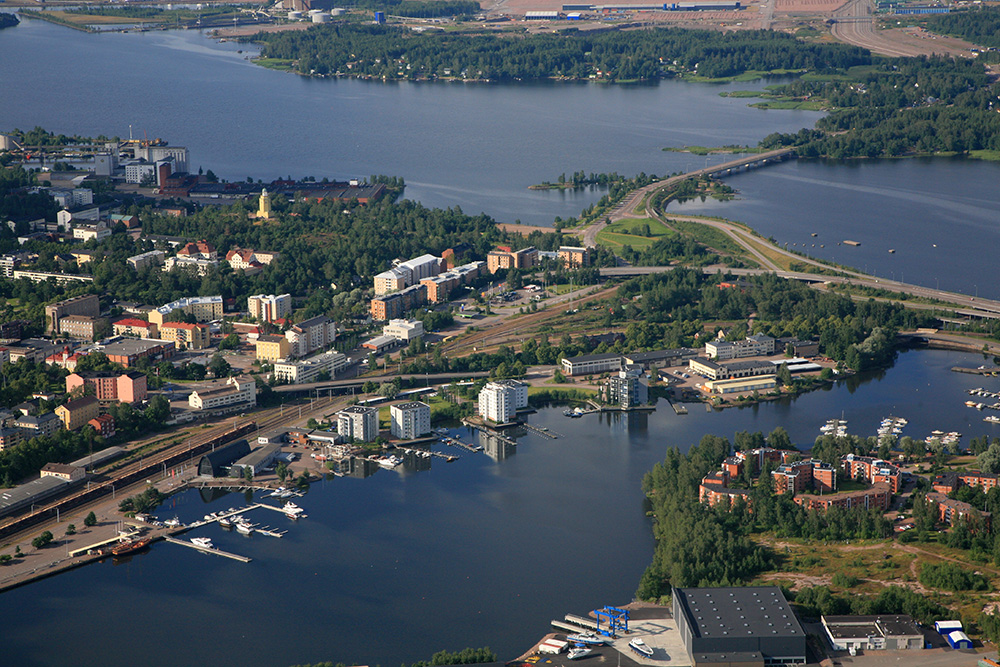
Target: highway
[
  {"x": 854, "y": 24},
  {"x": 626, "y": 208}
]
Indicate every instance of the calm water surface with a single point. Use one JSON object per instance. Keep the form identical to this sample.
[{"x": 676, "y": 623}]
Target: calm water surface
[
  {"x": 474, "y": 146},
  {"x": 397, "y": 566},
  {"x": 940, "y": 215}
]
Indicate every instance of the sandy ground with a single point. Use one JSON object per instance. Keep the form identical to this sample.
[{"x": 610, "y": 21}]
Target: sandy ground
[
  {"x": 245, "y": 31},
  {"x": 805, "y": 6},
  {"x": 927, "y": 42}
]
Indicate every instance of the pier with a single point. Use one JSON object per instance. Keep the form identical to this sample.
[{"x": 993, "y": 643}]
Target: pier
[
  {"x": 492, "y": 433},
  {"x": 548, "y": 433},
  {"x": 207, "y": 550},
  {"x": 992, "y": 370}
]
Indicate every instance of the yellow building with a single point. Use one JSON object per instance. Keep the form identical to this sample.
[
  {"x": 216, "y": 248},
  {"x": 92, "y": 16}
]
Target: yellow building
[
  {"x": 264, "y": 208},
  {"x": 76, "y": 414},
  {"x": 186, "y": 336},
  {"x": 272, "y": 348},
  {"x": 204, "y": 309}
]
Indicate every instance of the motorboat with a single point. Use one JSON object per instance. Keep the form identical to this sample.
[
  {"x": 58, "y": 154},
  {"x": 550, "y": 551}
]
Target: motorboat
[
  {"x": 579, "y": 652},
  {"x": 591, "y": 638},
  {"x": 203, "y": 542},
  {"x": 641, "y": 647},
  {"x": 389, "y": 461},
  {"x": 277, "y": 492},
  {"x": 172, "y": 523},
  {"x": 226, "y": 522},
  {"x": 243, "y": 527}
]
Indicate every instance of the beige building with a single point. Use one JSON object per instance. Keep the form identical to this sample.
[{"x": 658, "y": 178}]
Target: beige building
[
  {"x": 573, "y": 257},
  {"x": 87, "y": 304},
  {"x": 504, "y": 258},
  {"x": 186, "y": 336},
  {"x": 81, "y": 326},
  {"x": 204, "y": 309},
  {"x": 272, "y": 348},
  {"x": 268, "y": 307},
  {"x": 63, "y": 471},
  {"x": 76, "y": 414},
  {"x": 236, "y": 391}
]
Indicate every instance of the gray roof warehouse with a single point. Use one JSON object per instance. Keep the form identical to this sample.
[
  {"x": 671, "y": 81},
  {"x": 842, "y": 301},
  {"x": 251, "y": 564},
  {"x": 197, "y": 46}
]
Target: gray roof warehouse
[{"x": 738, "y": 627}]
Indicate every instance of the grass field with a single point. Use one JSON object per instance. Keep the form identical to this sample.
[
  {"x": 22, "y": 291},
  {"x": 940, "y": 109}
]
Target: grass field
[
  {"x": 626, "y": 232},
  {"x": 282, "y": 64}
]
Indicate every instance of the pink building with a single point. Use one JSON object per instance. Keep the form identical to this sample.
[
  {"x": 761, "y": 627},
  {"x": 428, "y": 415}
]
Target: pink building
[{"x": 128, "y": 387}]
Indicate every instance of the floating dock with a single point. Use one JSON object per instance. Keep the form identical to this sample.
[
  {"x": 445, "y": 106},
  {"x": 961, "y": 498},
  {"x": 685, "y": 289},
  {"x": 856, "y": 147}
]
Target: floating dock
[
  {"x": 208, "y": 550},
  {"x": 588, "y": 623},
  {"x": 552, "y": 435},
  {"x": 992, "y": 370}
]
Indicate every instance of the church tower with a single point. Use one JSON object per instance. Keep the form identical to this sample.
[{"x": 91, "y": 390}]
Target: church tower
[{"x": 264, "y": 210}]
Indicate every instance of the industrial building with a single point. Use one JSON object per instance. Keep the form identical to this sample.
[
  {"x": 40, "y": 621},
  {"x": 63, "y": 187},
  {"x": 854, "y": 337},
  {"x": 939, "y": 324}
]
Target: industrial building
[
  {"x": 738, "y": 627},
  {"x": 872, "y": 633},
  {"x": 742, "y": 385},
  {"x": 592, "y": 364},
  {"x": 256, "y": 461},
  {"x": 217, "y": 463}
]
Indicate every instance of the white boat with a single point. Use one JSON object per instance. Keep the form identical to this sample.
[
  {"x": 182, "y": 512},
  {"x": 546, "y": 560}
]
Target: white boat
[
  {"x": 992, "y": 419},
  {"x": 579, "y": 652},
  {"x": 226, "y": 522},
  {"x": 244, "y": 527},
  {"x": 292, "y": 510},
  {"x": 203, "y": 542},
  {"x": 641, "y": 647},
  {"x": 277, "y": 492},
  {"x": 591, "y": 638},
  {"x": 389, "y": 461},
  {"x": 172, "y": 523}
]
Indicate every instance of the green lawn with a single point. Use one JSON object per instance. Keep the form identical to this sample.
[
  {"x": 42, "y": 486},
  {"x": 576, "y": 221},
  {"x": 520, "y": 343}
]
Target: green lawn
[{"x": 629, "y": 232}]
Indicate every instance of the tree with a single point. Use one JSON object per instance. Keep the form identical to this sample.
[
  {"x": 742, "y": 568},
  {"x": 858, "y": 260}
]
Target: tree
[
  {"x": 42, "y": 540},
  {"x": 230, "y": 342},
  {"x": 779, "y": 438},
  {"x": 219, "y": 366},
  {"x": 282, "y": 471},
  {"x": 248, "y": 473},
  {"x": 989, "y": 461},
  {"x": 71, "y": 529},
  {"x": 784, "y": 375},
  {"x": 90, "y": 520}
]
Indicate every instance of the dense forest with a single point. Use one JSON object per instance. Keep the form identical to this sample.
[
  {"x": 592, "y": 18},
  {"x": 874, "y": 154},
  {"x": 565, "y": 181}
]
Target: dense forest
[
  {"x": 979, "y": 25},
  {"x": 635, "y": 55},
  {"x": 898, "y": 107}
]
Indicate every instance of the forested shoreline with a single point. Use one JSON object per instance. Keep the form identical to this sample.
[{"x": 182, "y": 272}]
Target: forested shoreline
[{"x": 392, "y": 53}]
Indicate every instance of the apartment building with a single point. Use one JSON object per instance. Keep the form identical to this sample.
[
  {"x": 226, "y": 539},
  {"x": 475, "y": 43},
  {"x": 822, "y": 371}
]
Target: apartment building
[
  {"x": 109, "y": 387},
  {"x": 271, "y": 348},
  {"x": 308, "y": 370},
  {"x": 88, "y": 305},
  {"x": 268, "y": 307},
  {"x": 409, "y": 421},
  {"x": 135, "y": 328},
  {"x": 499, "y": 401},
  {"x": 358, "y": 423},
  {"x": 395, "y": 305},
  {"x": 235, "y": 391},
  {"x": 187, "y": 336},
  {"x": 75, "y": 414},
  {"x": 204, "y": 309},
  {"x": 503, "y": 258}
]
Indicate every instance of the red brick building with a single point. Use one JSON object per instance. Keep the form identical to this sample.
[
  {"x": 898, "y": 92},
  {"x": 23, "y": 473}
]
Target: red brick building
[
  {"x": 104, "y": 425},
  {"x": 879, "y": 496}
]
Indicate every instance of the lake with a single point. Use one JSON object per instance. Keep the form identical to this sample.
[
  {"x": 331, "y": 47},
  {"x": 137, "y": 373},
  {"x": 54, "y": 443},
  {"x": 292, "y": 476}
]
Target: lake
[
  {"x": 477, "y": 146},
  {"x": 478, "y": 552}
]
